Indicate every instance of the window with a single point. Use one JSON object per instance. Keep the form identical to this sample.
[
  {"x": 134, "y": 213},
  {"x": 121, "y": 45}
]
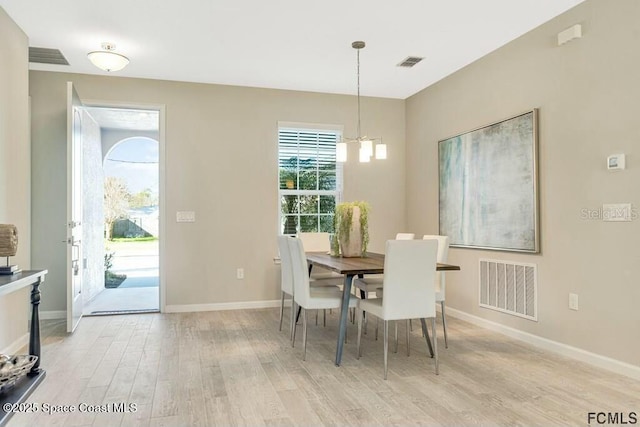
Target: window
[{"x": 310, "y": 180}]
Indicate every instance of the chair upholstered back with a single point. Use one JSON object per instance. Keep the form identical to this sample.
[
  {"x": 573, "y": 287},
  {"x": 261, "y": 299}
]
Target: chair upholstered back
[
  {"x": 286, "y": 265},
  {"x": 405, "y": 236},
  {"x": 301, "y": 292},
  {"x": 409, "y": 279},
  {"x": 315, "y": 242},
  {"x": 443, "y": 253}
]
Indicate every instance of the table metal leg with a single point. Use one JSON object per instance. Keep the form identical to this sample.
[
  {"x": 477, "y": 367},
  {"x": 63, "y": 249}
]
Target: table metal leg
[
  {"x": 344, "y": 311},
  {"x": 425, "y": 331}
]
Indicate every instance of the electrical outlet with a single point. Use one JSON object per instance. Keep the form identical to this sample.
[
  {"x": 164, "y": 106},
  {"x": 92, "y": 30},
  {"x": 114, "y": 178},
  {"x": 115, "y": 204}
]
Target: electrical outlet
[
  {"x": 573, "y": 301},
  {"x": 240, "y": 273}
]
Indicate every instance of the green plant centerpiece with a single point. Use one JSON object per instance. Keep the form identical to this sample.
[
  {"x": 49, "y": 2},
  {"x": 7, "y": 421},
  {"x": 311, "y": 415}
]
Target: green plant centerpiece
[{"x": 351, "y": 225}]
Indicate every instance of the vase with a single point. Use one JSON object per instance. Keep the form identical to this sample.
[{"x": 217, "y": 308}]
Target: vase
[
  {"x": 351, "y": 244},
  {"x": 8, "y": 240}
]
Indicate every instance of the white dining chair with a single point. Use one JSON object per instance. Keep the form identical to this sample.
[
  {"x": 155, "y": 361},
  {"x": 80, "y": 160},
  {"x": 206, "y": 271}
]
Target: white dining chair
[
  {"x": 306, "y": 296},
  {"x": 443, "y": 252},
  {"x": 318, "y": 242},
  {"x": 409, "y": 291},
  {"x": 286, "y": 280},
  {"x": 369, "y": 284}
]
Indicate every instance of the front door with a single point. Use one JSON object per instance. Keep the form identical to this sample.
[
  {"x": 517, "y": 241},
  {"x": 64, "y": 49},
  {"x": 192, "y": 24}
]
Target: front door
[{"x": 74, "y": 208}]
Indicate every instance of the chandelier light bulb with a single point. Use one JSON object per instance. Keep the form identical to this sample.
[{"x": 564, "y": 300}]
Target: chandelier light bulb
[
  {"x": 365, "y": 156},
  {"x": 341, "y": 152},
  {"x": 381, "y": 151},
  {"x": 367, "y": 146}
]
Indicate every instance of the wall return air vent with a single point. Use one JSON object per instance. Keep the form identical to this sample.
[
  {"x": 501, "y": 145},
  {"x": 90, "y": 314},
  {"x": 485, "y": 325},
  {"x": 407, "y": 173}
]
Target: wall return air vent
[{"x": 509, "y": 287}]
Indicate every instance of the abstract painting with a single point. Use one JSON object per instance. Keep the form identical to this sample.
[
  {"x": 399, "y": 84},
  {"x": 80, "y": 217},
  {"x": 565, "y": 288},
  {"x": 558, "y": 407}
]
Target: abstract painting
[{"x": 488, "y": 186}]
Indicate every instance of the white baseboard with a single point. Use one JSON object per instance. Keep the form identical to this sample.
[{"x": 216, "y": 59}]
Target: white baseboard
[
  {"x": 15, "y": 346},
  {"x": 241, "y": 305},
  {"x": 594, "y": 359},
  {"x": 186, "y": 308},
  {"x": 53, "y": 315}
]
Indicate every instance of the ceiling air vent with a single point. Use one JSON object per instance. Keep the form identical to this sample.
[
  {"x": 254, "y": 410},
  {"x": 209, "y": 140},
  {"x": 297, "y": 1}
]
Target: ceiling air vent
[
  {"x": 43, "y": 55},
  {"x": 410, "y": 61}
]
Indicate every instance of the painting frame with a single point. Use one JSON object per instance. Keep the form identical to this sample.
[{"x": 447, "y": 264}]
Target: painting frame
[{"x": 488, "y": 196}]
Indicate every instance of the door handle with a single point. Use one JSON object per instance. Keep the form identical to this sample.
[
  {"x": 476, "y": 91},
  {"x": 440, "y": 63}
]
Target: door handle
[{"x": 75, "y": 255}]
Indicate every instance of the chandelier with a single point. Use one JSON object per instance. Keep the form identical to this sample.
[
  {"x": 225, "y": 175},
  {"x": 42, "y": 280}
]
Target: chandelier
[{"x": 366, "y": 143}]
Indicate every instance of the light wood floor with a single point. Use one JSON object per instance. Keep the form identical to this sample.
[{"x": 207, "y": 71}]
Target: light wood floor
[{"x": 234, "y": 368}]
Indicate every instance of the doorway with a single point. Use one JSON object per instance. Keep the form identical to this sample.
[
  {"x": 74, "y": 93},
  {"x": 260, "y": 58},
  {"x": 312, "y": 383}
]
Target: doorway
[{"x": 122, "y": 183}]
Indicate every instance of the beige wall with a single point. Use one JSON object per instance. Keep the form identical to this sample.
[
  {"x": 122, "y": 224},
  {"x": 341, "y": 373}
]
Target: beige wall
[
  {"x": 15, "y": 172},
  {"x": 221, "y": 162},
  {"x": 587, "y": 92}
]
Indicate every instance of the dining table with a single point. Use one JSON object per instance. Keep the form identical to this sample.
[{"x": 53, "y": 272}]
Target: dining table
[{"x": 350, "y": 267}]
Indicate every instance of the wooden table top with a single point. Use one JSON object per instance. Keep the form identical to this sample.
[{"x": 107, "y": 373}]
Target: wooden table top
[
  {"x": 13, "y": 282},
  {"x": 371, "y": 263}
]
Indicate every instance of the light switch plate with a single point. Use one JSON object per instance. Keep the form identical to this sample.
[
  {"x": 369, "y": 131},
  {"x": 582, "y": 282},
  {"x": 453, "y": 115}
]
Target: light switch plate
[
  {"x": 185, "y": 216},
  {"x": 616, "y": 162},
  {"x": 573, "y": 301}
]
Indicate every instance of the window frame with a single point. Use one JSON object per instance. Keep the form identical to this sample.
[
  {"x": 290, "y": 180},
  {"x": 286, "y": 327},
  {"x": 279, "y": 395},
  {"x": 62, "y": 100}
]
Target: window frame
[{"x": 339, "y": 175}]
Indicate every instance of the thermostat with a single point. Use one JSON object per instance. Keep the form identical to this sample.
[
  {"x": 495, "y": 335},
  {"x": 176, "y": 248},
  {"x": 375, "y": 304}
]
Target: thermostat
[{"x": 615, "y": 161}]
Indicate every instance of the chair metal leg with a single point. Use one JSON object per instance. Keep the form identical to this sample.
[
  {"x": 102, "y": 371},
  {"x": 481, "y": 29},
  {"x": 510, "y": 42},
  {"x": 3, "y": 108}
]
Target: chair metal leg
[
  {"x": 435, "y": 345},
  {"x": 358, "y": 348},
  {"x": 281, "y": 311},
  {"x": 425, "y": 334},
  {"x": 304, "y": 335},
  {"x": 366, "y": 322},
  {"x": 385, "y": 333},
  {"x": 324, "y": 318},
  {"x": 316, "y": 317},
  {"x": 363, "y": 295},
  {"x": 293, "y": 334},
  {"x": 410, "y": 325},
  {"x": 444, "y": 325},
  {"x": 292, "y": 323},
  {"x": 395, "y": 324},
  {"x": 408, "y": 333},
  {"x": 376, "y": 329}
]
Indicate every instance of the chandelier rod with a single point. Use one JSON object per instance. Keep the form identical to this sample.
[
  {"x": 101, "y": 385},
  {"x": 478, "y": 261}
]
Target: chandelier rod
[
  {"x": 358, "y": 51},
  {"x": 357, "y": 45}
]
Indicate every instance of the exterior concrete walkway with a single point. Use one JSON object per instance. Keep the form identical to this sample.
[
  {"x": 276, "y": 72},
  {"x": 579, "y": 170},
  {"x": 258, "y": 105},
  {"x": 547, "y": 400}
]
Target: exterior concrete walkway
[{"x": 139, "y": 291}]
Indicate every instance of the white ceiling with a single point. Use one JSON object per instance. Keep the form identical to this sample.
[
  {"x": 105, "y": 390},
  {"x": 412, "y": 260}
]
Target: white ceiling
[{"x": 285, "y": 44}]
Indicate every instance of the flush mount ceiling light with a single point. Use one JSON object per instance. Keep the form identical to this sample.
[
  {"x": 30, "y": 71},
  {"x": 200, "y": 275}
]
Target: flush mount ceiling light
[
  {"x": 366, "y": 143},
  {"x": 107, "y": 59}
]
